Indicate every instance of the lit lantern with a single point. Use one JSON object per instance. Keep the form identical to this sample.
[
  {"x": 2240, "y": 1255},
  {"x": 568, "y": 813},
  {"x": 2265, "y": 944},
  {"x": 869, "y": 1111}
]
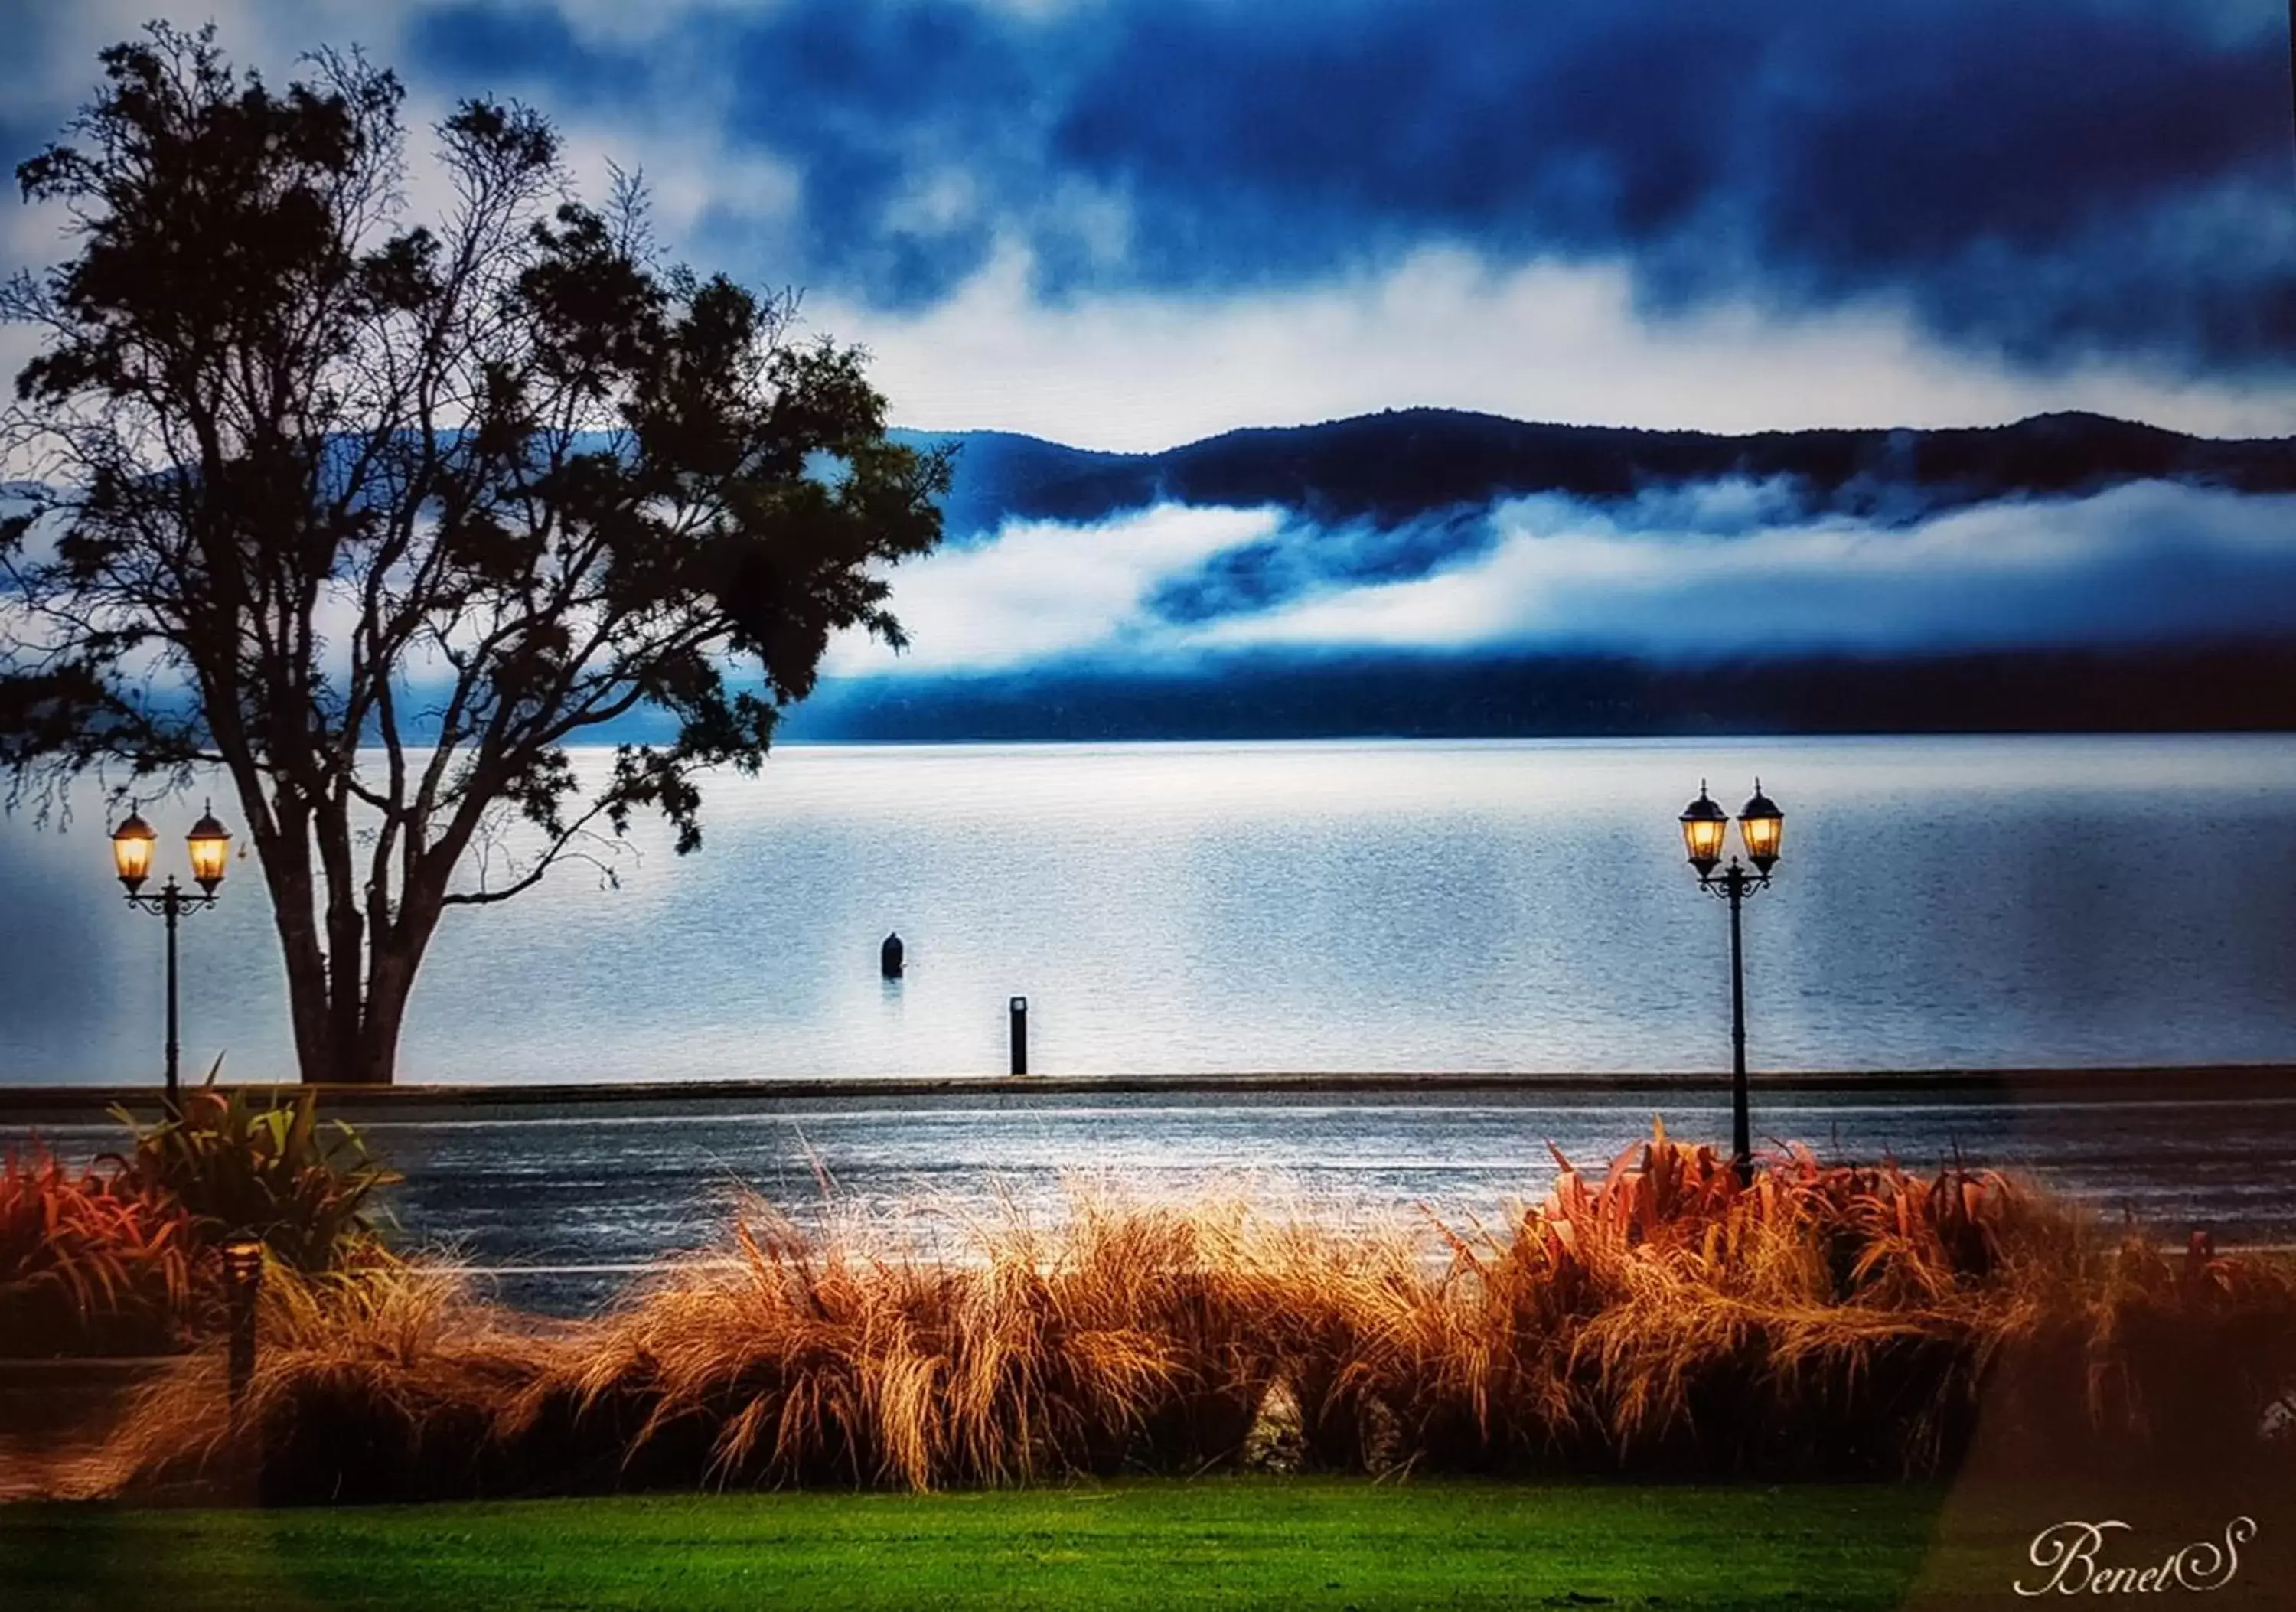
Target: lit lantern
[
  {"x": 242, "y": 1262},
  {"x": 1704, "y": 825},
  {"x": 131, "y": 850},
  {"x": 210, "y": 844},
  {"x": 1763, "y": 825}
]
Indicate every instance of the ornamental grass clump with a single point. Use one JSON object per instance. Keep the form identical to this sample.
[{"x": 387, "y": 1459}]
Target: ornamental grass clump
[
  {"x": 1117, "y": 1339},
  {"x": 1664, "y": 1319},
  {"x": 381, "y": 1382},
  {"x": 1656, "y": 1320}
]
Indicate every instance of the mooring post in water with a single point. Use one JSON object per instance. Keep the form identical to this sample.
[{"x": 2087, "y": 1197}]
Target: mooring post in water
[
  {"x": 242, "y": 1269},
  {"x": 1020, "y": 1012},
  {"x": 889, "y": 956}
]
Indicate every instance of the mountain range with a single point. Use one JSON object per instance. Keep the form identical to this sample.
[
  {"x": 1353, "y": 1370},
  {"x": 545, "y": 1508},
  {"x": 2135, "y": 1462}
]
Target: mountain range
[
  {"x": 1427, "y": 572},
  {"x": 1402, "y": 465}
]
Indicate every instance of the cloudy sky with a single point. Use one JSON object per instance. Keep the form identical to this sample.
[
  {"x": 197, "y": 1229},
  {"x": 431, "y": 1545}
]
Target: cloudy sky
[{"x": 1129, "y": 224}]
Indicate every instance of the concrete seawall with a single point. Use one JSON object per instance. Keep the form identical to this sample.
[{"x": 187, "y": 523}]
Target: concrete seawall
[{"x": 28, "y": 1104}]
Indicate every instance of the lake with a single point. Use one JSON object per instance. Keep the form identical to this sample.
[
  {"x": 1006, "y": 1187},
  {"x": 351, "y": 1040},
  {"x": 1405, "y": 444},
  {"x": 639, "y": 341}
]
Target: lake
[{"x": 1942, "y": 902}]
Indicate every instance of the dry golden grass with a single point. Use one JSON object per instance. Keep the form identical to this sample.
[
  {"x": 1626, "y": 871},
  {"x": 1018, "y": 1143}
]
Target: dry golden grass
[
  {"x": 1656, "y": 1320},
  {"x": 379, "y": 1374}
]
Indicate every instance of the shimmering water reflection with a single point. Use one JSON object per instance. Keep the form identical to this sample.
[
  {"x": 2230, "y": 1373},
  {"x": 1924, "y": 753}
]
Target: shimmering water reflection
[{"x": 1946, "y": 902}]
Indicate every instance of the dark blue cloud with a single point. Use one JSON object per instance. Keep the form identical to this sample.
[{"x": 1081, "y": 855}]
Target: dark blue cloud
[
  {"x": 2044, "y": 175},
  {"x": 1306, "y": 559},
  {"x": 2054, "y": 179}
]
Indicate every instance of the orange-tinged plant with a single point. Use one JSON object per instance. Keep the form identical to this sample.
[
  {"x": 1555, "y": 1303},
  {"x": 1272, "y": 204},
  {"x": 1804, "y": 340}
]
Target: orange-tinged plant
[
  {"x": 1658, "y": 1319},
  {"x": 92, "y": 1260}
]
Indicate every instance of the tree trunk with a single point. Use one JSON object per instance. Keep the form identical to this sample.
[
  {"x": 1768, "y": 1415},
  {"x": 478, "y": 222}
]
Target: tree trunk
[
  {"x": 349, "y": 979},
  {"x": 286, "y": 862},
  {"x": 391, "y": 965},
  {"x": 348, "y": 1053},
  {"x": 391, "y": 981}
]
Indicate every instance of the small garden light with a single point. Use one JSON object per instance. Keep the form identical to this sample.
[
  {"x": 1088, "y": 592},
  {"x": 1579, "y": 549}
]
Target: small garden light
[
  {"x": 209, "y": 844},
  {"x": 243, "y": 1270},
  {"x": 1762, "y": 826},
  {"x": 242, "y": 1262}
]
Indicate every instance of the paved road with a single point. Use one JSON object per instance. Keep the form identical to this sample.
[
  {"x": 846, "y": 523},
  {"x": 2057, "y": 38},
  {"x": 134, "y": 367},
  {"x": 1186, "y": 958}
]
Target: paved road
[{"x": 559, "y": 1203}]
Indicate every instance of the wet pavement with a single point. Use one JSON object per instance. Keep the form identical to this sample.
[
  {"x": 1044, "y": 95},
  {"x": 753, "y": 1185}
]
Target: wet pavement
[{"x": 558, "y": 1206}]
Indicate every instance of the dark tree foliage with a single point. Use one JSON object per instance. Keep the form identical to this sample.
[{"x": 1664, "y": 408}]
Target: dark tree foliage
[{"x": 375, "y": 519}]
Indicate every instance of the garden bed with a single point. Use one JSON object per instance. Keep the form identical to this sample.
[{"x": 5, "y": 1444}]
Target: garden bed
[{"x": 1658, "y": 1319}]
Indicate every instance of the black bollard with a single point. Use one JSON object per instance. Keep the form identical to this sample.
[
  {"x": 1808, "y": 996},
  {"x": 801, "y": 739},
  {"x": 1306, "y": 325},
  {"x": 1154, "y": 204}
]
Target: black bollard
[
  {"x": 1020, "y": 1011},
  {"x": 889, "y": 956},
  {"x": 242, "y": 1269}
]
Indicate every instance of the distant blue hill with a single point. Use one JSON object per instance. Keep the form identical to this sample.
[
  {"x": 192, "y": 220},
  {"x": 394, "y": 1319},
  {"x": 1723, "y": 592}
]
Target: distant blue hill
[
  {"x": 1001, "y": 474},
  {"x": 1405, "y": 464},
  {"x": 1520, "y": 695}
]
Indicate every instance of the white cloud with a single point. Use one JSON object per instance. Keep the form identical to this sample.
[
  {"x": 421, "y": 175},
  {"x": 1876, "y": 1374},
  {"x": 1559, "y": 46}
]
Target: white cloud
[
  {"x": 936, "y": 204},
  {"x": 2139, "y": 561},
  {"x": 1543, "y": 341},
  {"x": 628, "y": 22},
  {"x": 697, "y": 182},
  {"x": 1042, "y": 589},
  {"x": 1716, "y": 568}
]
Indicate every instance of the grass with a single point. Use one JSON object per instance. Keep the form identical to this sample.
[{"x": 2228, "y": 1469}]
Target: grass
[
  {"x": 972, "y": 1426},
  {"x": 1307, "y": 1542},
  {"x": 1657, "y": 1320}
]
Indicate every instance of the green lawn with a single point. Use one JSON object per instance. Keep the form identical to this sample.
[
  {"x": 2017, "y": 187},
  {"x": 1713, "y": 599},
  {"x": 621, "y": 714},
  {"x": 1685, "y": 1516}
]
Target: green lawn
[
  {"x": 1212, "y": 1543},
  {"x": 1287, "y": 1542}
]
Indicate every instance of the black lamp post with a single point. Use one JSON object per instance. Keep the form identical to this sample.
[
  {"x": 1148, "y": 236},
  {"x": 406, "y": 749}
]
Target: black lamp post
[
  {"x": 1762, "y": 825},
  {"x": 131, "y": 853}
]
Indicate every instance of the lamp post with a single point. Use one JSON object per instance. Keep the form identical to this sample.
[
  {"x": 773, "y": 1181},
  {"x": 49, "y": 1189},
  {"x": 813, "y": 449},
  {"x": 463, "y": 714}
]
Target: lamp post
[
  {"x": 1762, "y": 825},
  {"x": 209, "y": 842}
]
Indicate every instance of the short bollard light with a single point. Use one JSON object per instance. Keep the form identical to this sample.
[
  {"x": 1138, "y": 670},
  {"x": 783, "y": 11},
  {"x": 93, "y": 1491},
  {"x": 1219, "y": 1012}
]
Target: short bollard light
[
  {"x": 1017, "y": 1014},
  {"x": 1762, "y": 825},
  {"x": 209, "y": 844},
  {"x": 242, "y": 1270}
]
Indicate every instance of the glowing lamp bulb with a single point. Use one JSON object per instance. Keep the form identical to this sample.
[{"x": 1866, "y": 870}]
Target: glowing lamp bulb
[
  {"x": 131, "y": 850},
  {"x": 211, "y": 845},
  {"x": 1704, "y": 825},
  {"x": 1763, "y": 826}
]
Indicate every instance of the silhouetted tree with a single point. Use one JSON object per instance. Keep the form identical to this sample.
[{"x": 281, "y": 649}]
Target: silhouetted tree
[{"x": 375, "y": 519}]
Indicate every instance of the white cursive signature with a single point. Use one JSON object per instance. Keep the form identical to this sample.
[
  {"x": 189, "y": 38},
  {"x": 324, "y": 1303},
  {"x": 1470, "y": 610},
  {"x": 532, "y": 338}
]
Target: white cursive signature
[{"x": 2068, "y": 1552}]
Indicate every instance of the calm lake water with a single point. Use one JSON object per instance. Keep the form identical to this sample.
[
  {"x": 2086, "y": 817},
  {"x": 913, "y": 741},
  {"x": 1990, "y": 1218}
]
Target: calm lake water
[{"x": 1382, "y": 906}]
